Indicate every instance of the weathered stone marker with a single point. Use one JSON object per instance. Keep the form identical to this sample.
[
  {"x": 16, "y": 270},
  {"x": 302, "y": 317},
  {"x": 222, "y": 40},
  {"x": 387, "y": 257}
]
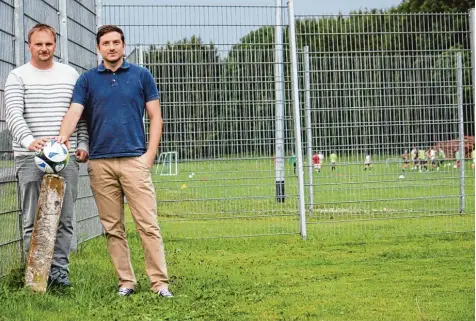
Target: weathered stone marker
[{"x": 48, "y": 211}]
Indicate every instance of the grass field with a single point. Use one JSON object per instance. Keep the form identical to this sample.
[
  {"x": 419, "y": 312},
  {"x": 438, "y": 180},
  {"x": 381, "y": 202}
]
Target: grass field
[
  {"x": 229, "y": 190},
  {"x": 224, "y": 198},
  {"x": 268, "y": 278},
  {"x": 379, "y": 248}
]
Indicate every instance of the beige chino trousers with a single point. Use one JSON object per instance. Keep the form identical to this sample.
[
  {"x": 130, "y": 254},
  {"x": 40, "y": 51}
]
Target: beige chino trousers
[{"x": 111, "y": 179}]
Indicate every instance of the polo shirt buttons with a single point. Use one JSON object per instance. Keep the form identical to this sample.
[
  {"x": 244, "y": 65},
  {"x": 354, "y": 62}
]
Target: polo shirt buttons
[{"x": 114, "y": 82}]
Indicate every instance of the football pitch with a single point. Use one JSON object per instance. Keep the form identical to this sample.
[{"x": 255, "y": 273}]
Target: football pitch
[
  {"x": 379, "y": 248},
  {"x": 227, "y": 197}
]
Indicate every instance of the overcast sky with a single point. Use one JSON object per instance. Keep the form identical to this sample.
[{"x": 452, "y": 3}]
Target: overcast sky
[
  {"x": 224, "y": 23},
  {"x": 300, "y": 6}
]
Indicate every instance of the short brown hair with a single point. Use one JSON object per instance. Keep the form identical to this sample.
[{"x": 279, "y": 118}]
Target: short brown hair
[
  {"x": 41, "y": 27},
  {"x": 106, "y": 29}
]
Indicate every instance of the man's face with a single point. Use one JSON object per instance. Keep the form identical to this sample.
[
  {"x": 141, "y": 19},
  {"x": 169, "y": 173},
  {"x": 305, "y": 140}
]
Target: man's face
[
  {"x": 111, "y": 47},
  {"x": 42, "y": 46}
]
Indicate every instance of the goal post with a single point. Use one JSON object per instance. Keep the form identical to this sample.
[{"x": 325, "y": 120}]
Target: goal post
[{"x": 167, "y": 163}]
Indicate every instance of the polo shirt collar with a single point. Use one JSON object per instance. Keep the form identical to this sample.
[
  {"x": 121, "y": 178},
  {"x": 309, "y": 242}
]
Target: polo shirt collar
[{"x": 125, "y": 65}]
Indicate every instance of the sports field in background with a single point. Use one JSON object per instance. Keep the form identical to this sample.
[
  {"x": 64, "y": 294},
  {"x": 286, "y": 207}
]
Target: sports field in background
[
  {"x": 226, "y": 197},
  {"x": 379, "y": 248}
]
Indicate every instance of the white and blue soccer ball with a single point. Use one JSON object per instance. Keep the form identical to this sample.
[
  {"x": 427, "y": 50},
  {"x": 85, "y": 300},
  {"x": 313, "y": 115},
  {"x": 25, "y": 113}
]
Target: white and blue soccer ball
[{"x": 53, "y": 158}]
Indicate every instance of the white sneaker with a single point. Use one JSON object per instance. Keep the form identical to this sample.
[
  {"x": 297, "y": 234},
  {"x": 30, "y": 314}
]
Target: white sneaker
[
  {"x": 125, "y": 291},
  {"x": 165, "y": 293}
]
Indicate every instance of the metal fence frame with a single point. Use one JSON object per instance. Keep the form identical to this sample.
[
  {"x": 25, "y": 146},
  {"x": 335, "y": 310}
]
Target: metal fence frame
[
  {"x": 329, "y": 67},
  {"x": 293, "y": 96}
]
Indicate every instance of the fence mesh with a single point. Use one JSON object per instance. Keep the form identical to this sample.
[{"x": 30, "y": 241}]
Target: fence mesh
[
  {"x": 380, "y": 84},
  {"x": 370, "y": 83},
  {"x": 215, "y": 69},
  {"x": 9, "y": 208},
  {"x": 384, "y": 85}
]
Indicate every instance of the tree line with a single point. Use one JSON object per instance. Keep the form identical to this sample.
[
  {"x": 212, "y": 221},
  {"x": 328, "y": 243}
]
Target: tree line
[{"x": 380, "y": 81}]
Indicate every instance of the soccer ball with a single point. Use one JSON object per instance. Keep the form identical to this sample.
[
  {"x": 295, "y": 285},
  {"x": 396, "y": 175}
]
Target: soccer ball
[
  {"x": 401, "y": 177},
  {"x": 53, "y": 158}
]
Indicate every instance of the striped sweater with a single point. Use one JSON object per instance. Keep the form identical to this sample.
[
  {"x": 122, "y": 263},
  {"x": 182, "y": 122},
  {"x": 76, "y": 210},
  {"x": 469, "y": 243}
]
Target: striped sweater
[{"x": 36, "y": 102}]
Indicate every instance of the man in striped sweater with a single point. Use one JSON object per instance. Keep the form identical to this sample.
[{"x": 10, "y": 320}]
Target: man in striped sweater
[{"x": 37, "y": 96}]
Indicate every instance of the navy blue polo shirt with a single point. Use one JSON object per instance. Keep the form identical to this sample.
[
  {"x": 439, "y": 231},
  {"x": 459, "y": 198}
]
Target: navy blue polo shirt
[{"x": 114, "y": 106}]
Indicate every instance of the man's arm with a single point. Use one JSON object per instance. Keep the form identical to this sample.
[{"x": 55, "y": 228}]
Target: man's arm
[
  {"x": 82, "y": 147},
  {"x": 152, "y": 107},
  {"x": 83, "y": 136},
  {"x": 72, "y": 117},
  {"x": 155, "y": 130},
  {"x": 82, "y": 150},
  {"x": 70, "y": 120},
  {"x": 15, "y": 106}
]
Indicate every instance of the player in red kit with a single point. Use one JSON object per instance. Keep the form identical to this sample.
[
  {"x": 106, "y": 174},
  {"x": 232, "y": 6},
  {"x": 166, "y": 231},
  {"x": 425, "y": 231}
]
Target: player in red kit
[{"x": 316, "y": 161}]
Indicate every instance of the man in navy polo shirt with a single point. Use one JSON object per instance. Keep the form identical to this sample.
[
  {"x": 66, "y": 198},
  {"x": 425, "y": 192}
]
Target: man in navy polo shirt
[{"x": 113, "y": 98}]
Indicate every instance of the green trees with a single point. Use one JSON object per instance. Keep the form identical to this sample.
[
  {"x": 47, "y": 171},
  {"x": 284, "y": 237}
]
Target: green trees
[
  {"x": 375, "y": 75},
  {"x": 383, "y": 81},
  {"x": 250, "y": 82},
  {"x": 436, "y": 6},
  {"x": 188, "y": 75}
]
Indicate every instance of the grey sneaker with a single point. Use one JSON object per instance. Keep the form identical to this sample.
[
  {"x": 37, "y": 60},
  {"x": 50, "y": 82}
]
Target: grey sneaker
[
  {"x": 125, "y": 291},
  {"x": 165, "y": 293}
]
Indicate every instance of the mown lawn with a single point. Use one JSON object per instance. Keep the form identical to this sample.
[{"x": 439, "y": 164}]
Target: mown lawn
[
  {"x": 269, "y": 278},
  {"x": 378, "y": 248}
]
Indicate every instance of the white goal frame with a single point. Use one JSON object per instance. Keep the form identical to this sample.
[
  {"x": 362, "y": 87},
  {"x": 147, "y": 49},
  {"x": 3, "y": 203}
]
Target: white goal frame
[{"x": 167, "y": 163}]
